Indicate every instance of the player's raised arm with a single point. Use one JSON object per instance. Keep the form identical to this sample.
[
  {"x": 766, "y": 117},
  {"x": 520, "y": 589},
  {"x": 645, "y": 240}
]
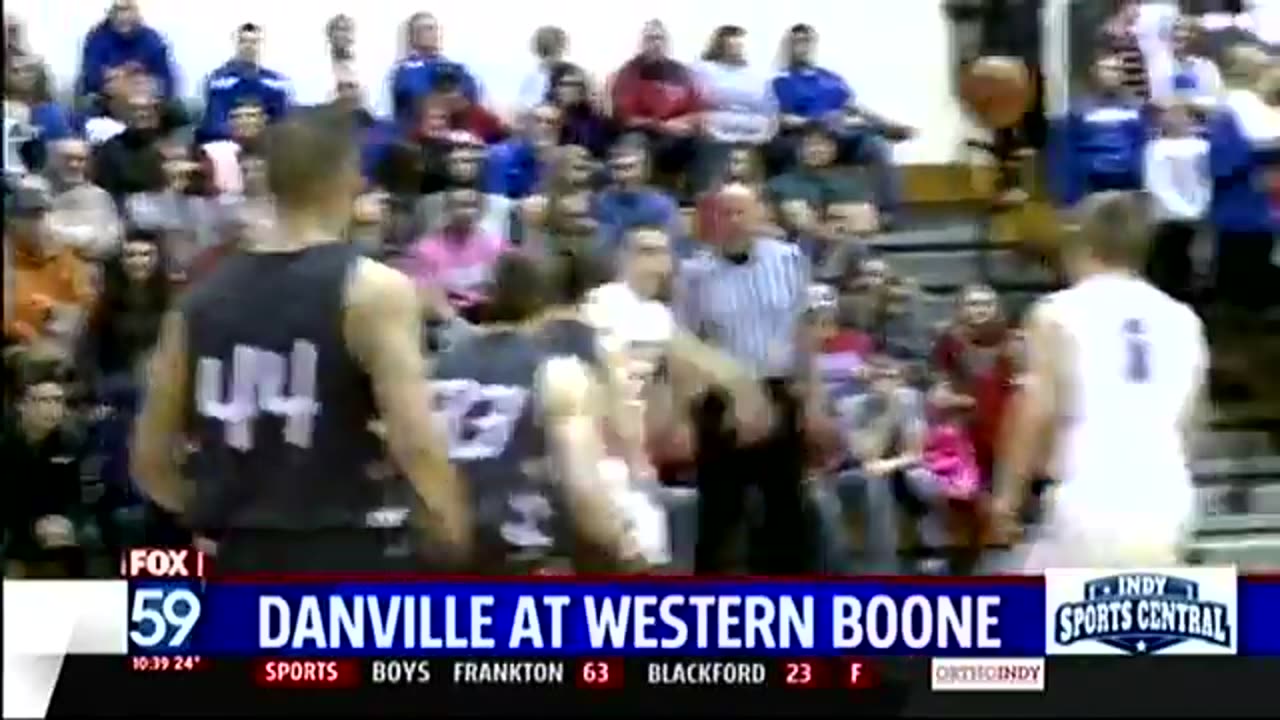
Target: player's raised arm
[
  {"x": 571, "y": 400},
  {"x": 382, "y": 326},
  {"x": 626, "y": 419},
  {"x": 157, "y": 435},
  {"x": 1028, "y": 435},
  {"x": 701, "y": 365}
]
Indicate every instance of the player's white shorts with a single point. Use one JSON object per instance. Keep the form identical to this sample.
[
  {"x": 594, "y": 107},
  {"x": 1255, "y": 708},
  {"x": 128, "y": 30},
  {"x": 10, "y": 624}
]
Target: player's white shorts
[
  {"x": 646, "y": 518},
  {"x": 1103, "y": 533}
]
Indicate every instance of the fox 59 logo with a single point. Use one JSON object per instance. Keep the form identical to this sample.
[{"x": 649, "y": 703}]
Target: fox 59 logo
[{"x": 1185, "y": 611}]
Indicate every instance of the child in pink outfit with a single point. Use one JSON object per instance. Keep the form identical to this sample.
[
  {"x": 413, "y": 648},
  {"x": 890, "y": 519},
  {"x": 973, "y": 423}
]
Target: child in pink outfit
[
  {"x": 949, "y": 455},
  {"x": 460, "y": 259}
]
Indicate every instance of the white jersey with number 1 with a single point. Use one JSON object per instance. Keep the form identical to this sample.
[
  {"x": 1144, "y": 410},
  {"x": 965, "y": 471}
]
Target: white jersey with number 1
[{"x": 1133, "y": 362}]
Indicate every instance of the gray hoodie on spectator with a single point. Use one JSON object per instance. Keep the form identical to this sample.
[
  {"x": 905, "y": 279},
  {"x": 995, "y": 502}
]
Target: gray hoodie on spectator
[
  {"x": 190, "y": 223},
  {"x": 84, "y": 217}
]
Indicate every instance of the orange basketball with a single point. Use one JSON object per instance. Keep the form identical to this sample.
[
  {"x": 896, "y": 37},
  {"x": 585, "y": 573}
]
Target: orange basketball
[{"x": 997, "y": 90}]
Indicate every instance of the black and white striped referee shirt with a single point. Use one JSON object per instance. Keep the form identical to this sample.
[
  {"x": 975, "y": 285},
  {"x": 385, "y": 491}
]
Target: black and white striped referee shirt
[{"x": 752, "y": 309}]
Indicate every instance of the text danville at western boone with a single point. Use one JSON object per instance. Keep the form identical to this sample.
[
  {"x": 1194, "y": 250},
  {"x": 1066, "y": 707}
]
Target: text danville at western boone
[{"x": 669, "y": 622}]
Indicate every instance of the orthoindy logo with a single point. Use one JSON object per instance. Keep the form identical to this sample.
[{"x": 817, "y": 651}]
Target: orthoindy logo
[{"x": 988, "y": 674}]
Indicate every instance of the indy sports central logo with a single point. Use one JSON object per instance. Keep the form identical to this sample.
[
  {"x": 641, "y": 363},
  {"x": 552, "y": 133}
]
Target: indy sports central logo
[{"x": 1143, "y": 613}]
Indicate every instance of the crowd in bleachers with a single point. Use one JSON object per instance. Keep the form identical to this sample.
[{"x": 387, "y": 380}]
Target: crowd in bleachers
[
  {"x": 1197, "y": 127},
  {"x": 122, "y": 192}
]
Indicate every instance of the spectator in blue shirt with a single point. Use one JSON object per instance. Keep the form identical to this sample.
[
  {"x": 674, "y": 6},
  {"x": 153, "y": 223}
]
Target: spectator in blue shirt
[
  {"x": 26, "y": 82},
  {"x": 414, "y": 77},
  {"x": 807, "y": 93},
  {"x": 241, "y": 78},
  {"x": 629, "y": 201},
  {"x": 122, "y": 39},
  {"x": 516, "y": 166},
  {"x": 1244, "y": 152},
  {"x": 1099, "y": 145},
  {"x": 376, "y": 134}
]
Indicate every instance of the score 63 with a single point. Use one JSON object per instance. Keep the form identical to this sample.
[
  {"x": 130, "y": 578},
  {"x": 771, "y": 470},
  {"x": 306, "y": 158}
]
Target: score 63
[{"x": 162, "y": 616}]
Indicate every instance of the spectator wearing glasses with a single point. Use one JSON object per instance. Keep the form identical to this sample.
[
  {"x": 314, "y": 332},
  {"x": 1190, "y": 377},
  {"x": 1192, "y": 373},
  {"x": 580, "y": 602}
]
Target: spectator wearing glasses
[
  {"x": 83, "y": 216},
  {"x": 581, "y": 122},
  {"x": 243, "y": 78}
]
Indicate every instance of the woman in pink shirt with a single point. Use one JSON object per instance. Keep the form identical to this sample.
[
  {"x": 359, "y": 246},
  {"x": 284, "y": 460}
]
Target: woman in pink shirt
[{"x": 459, "y": 259}]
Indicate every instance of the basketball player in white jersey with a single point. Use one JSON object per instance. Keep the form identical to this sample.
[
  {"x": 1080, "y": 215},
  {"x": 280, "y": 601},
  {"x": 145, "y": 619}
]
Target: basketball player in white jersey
[
  {"x": 639, "y": 338},
  {"x": 1115, "y": 372}
]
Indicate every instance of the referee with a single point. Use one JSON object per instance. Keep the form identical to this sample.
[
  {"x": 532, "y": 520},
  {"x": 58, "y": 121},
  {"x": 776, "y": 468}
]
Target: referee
[{"x": 748, "y": 299}]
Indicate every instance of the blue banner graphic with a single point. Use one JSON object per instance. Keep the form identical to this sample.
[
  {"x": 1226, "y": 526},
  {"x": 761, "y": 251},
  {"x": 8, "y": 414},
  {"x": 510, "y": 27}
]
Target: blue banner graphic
[{"x": 829, "y": 617}]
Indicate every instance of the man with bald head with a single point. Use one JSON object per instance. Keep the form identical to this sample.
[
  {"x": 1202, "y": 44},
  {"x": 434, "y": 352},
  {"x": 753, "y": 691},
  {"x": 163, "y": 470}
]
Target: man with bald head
[
  {"x": 748, "y": 298},
  {"x": 83, "y": 216},
  {"x": 1125, "y": 364}
]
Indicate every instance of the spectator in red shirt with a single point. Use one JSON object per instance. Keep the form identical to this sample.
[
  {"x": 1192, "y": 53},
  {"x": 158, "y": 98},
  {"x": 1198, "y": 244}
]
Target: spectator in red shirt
[
  {"x": 977, "y": 356},
  {"x": 658, "y": 96}
]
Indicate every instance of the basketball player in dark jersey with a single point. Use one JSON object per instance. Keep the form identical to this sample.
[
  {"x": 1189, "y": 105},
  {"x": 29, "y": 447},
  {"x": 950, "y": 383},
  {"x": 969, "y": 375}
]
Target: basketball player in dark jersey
[
  {"x": 572, "y": 275},
  {"x": 522, "y": 428},
  {"x": 270, "y": 371}
]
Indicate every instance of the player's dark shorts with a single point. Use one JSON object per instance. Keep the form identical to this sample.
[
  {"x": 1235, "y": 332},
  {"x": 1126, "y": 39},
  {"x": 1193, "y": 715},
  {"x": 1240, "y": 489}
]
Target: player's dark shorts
[{"x": 360, "y": 550}]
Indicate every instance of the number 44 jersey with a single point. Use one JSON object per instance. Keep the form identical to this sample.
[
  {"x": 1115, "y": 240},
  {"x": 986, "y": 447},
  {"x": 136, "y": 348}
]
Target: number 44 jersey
[
  {"x": 484, "y": 390},
  {"x": 279, "y": 406}
]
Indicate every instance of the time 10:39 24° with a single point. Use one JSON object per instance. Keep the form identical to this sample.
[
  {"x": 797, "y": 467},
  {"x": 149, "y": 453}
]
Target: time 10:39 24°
[{"x": 164, "y": 663}]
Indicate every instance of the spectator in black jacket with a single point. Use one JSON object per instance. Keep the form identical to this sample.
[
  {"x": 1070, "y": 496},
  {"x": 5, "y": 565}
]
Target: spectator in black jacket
[
  {"x": 43, "y": 506},
  {"x": 132, "y": 162}
]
